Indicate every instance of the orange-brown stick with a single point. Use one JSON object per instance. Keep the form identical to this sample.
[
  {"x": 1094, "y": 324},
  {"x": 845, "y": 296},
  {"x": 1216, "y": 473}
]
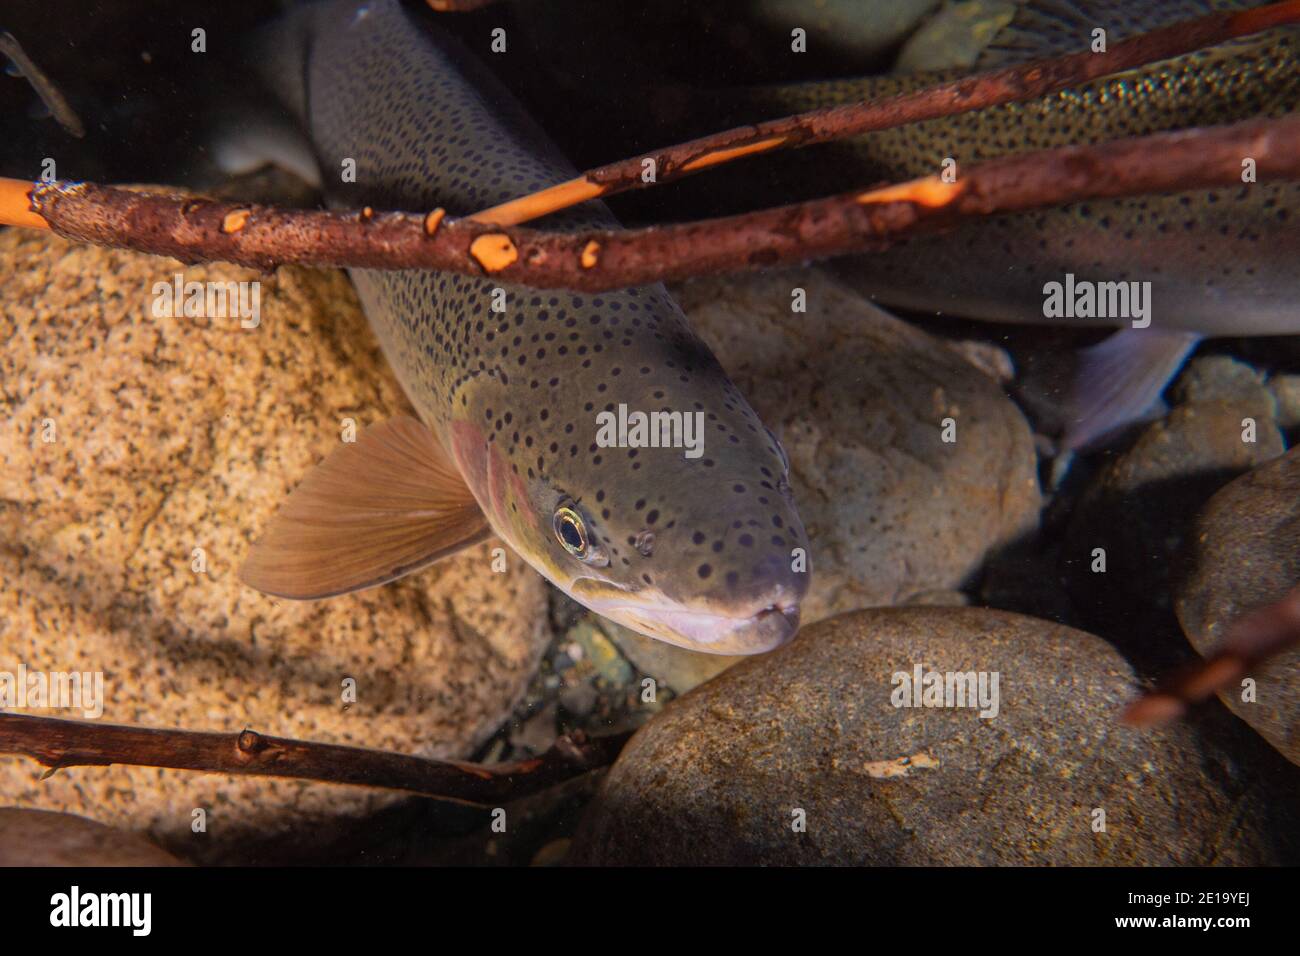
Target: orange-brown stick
[
  {"x": 68, "y": 743},
  {"x": 1251, "y": 640},
  {"x": 15, "y": 205},
  {"x": 1009, "y": 85},
  {"x": 596, "y": 260}
]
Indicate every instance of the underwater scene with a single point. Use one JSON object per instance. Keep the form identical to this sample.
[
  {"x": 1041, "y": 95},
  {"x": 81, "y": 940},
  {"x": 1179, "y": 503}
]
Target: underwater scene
[{"x": 556, "y": 433}]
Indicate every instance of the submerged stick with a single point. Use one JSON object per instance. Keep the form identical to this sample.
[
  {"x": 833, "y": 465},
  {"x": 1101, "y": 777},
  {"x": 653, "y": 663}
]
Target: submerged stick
[
  {"x": 595, "y": 260},
  {"x": 997, "y": 87},
  {"x": 1251, "y": 640},
  {"x": 60, "y": 743}
]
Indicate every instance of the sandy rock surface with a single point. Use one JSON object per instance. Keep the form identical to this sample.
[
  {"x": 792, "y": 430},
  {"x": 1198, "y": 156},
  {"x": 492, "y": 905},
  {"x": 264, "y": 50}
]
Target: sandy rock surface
[{"x": 173, "y": 434}]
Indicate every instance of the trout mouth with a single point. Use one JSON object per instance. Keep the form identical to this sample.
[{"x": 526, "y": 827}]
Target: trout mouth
[
  {"x": 711, "y": 631},
  {"x": 717, "y": 633}
]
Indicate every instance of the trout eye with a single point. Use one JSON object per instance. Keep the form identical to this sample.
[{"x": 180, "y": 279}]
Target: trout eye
[
  {"x": 571, "y": 531},
  {"x": 575, "y": 537}
]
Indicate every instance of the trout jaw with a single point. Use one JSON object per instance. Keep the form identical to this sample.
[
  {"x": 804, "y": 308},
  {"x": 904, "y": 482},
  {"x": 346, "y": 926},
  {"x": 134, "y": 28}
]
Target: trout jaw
[
  {"x": 703, "y": 630},
  {"x": 713, "y": 633}
]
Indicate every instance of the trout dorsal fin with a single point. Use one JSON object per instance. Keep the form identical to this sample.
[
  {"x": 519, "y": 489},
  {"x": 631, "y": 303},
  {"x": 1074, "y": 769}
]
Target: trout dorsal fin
[{"x": 374, "y": 510}]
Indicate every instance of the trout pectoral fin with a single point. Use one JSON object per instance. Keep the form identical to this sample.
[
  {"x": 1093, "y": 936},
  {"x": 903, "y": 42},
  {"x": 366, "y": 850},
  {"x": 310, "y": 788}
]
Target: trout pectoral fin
[{"x": 377, "y": 509}]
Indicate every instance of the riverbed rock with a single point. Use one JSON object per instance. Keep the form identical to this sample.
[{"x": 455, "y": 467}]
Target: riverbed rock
[
  {"x": 860, "y": 400},
  {"x": 1286, "y": 392},
  {"x": 862, "y": 29},
  {"x": 42, "y": 838},
  {"x": 955, "y": 37},
  {"x": 1139, "y": 506},
  {"x": 800, "y": 757},
  {"x": 136, "y": 449},
  {"x": 1224, "y": 379},
  {"x": 1244, "y": 553}
]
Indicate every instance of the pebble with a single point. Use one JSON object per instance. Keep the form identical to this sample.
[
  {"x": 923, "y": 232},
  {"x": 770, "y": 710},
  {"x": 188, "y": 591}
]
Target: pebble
[
  {"x": 580, "y": 699},
  {"x": 600, "y": 652},
  {"x": 552, "y": 854},
  {"x": 1286, "y": 392},
  {"x": 44, "y": 838},
  {"x": 673, "y": 667},
  {"x": 1222, "y": 378}
]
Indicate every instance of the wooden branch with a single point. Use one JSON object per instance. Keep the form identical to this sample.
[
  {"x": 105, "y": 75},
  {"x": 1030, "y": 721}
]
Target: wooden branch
[
  {"x": 15, "y": 205},
  {"x": 596, "y": 260},
  {"x": 1013, "y": 84},
  {"x": 1251, "y": 640},
  {"x": 68, "y": 743}
]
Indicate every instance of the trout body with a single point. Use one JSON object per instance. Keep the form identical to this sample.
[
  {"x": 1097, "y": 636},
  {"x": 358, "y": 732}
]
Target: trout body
[
  {"x": 691, "y": 545},
  {"x": 1166, "y": 269},
  {"x": 1220, "y": 262}
]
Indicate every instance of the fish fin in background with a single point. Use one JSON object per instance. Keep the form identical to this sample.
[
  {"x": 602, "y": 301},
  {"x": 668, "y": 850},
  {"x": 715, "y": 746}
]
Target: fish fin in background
[
  {"x": 1120, "y": 378},
  {"x": 1048, "y": 28},
  {"x": 251, "y": 138},
  {"x": 1251, "y": 640},
  {"x": 390, "y": 503},
  {"x": 54, "y": 103}
]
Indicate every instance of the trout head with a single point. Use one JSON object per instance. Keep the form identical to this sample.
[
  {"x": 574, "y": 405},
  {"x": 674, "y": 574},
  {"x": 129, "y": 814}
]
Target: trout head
[{"x": 629, "y": 471}]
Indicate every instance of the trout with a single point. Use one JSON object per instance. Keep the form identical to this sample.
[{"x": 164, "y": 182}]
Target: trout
[
  {"x": 1221, "y": 262},
  {"x": 595, "y": 434}
]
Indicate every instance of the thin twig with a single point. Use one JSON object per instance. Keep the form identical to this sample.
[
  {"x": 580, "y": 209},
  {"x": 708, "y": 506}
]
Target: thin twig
[
  {"x": 264, "y": 237},
  {"x": 1013, "y": 84},
  {"x": 1251, "y": 640},
  {"x": 68, "y": 743}
]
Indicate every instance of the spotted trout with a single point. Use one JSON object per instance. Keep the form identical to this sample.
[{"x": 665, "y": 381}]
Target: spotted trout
[
  {"x": 1166, "y": 269},
  {"x": 595, "y": 434}
]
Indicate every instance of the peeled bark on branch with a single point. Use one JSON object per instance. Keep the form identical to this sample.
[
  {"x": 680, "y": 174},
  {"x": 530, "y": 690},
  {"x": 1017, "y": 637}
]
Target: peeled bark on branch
[
  {"x": 69, "y": 743},
  {"x": 1013, "y": 84},
  {"x": 195, "y": 230}
]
